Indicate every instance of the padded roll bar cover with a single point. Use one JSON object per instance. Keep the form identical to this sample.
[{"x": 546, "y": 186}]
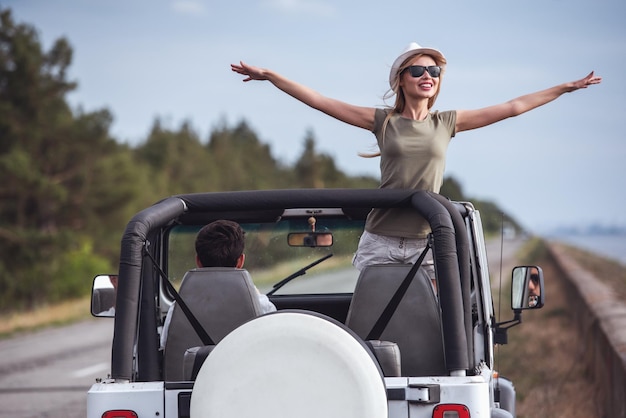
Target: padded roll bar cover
[
  {"x": 447, "y": 267},
  {"x": 149, "y": 221},
  {"x": 129, "y": 284},
  {"x": 463, "y": 255}
]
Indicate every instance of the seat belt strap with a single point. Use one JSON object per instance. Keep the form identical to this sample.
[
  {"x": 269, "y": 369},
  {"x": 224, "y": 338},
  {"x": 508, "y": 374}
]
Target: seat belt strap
[
  {"x": 393, "y": 303},
  {"x": 197, "y": 327},
  {"x": 204, "y": 336}
]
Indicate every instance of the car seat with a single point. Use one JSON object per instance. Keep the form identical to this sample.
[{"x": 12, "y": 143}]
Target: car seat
[
  {"x": 221, "y": 299},
  {"x": 416, "y": 324}
]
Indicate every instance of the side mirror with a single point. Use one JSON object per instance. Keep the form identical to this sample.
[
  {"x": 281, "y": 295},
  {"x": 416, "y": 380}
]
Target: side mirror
[
  {"x": 310, "y": 239},
  {"x": 103, "y": 295},
  {"x": 527, "y": 290}
]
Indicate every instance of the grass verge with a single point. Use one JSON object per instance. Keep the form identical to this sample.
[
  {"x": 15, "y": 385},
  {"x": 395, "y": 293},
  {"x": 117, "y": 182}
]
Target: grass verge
[
  {"x": 544, "y": 356},
  {"x": 45, "y": 316}
]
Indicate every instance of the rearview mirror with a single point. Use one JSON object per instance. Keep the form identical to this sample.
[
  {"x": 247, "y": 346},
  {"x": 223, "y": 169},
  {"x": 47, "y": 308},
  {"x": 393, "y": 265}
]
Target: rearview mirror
[
  {"x": 103, "y": 295},
  {"x": 310, "y": 239},
  {"x": 527, "y": 290}
]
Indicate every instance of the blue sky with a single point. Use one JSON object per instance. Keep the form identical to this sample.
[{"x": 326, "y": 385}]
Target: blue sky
[{"x": 562, "y": 164}]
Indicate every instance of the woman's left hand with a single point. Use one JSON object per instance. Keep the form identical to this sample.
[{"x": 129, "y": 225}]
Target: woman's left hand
[{"x": 586, "y": 82}]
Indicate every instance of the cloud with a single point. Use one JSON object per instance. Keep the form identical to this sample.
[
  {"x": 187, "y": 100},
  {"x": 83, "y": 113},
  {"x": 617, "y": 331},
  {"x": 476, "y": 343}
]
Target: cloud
[
  {"x": 188, "y": 7},
  {"x": 309, "y": 7}
]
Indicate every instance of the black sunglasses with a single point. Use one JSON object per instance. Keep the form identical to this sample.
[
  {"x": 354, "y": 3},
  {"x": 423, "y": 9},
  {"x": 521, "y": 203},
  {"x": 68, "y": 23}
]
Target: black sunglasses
[{"x": 418, "y": 70}]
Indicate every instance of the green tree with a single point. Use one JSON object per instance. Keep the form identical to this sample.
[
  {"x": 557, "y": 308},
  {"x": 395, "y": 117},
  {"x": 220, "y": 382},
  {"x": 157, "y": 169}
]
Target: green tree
[
  {"x": 318, "y": 170},
  {"x": 491, "y": 215},
  {"x": 178, "y": 161},
  {"x": 452, "y": 189},
  {"x": 48, "y": 165},
  {"x": 243, "y": 161},
  {"x": 308, "y": 169}
]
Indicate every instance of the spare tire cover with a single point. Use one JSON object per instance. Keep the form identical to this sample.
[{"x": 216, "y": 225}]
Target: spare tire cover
[{"x": 290, "y": 364}]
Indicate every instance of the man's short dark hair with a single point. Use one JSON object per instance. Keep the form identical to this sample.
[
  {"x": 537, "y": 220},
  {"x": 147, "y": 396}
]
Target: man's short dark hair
[{"x": 220, "y": 244}]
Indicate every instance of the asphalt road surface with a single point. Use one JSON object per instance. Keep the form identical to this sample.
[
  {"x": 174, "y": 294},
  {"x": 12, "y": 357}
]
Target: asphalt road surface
[
  {"x": 47, "y": 373},
  {"x": 502, "y": 258}
]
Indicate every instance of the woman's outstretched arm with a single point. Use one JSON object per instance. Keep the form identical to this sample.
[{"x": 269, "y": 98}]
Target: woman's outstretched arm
[
  {"x": 363, "y": 117},
  {"x": 472, "y": 119}
]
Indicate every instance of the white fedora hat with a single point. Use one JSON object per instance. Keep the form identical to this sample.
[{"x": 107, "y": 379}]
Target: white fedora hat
[{"x": 414, "y": 49}]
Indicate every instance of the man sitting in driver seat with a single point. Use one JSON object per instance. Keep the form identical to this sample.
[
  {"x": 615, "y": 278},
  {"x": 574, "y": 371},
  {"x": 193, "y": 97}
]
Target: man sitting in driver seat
[{"x": 219, "y": 244}]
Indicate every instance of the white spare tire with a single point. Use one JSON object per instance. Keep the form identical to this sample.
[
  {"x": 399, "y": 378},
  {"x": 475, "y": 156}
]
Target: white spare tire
[{"x": 290, "y": 364}]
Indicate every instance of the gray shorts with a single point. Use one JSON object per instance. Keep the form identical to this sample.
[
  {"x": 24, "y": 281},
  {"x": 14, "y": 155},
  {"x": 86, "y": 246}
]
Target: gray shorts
[{"x": 382, "y": 249}]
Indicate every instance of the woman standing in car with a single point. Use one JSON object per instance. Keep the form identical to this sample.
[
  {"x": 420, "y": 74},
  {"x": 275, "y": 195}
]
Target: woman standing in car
[{"x": 412, "y": 139}]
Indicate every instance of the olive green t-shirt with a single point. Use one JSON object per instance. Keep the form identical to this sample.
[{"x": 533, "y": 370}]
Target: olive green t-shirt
[{"x": 412, "y": 156}]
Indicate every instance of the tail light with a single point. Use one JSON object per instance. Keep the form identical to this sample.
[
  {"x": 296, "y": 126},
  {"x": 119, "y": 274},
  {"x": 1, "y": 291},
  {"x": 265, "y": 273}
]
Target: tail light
[
  {"x": 120, "y": 413},
  {"x": 451, "y": 410}
]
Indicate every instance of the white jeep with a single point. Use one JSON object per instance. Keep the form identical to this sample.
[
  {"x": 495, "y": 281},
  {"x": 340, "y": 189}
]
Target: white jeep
[{"x": 383, "y": 342}]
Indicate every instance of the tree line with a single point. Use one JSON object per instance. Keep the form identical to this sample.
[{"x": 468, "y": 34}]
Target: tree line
[{"x": 68, "y": 187}]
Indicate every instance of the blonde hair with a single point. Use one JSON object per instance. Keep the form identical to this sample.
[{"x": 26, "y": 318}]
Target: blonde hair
[{"x": 400, "y": 101}]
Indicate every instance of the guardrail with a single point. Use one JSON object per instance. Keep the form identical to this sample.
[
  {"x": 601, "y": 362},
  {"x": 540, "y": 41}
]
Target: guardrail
[{"x": 601, "y": 321}]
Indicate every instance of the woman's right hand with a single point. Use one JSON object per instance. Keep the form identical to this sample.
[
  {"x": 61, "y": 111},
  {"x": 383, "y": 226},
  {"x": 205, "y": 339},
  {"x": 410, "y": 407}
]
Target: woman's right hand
[{"x": 251, "y": 73}]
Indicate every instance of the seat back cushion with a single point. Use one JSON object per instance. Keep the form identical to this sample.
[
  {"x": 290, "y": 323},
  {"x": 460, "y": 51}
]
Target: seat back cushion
[
  {"x": 221, "y": 299},
  {"x": 416, "y": 324}
]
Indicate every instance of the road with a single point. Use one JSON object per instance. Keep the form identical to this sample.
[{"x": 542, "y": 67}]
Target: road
[
  {"x": 47, "y": 373},
  {"x": 502, "y": 252}
]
